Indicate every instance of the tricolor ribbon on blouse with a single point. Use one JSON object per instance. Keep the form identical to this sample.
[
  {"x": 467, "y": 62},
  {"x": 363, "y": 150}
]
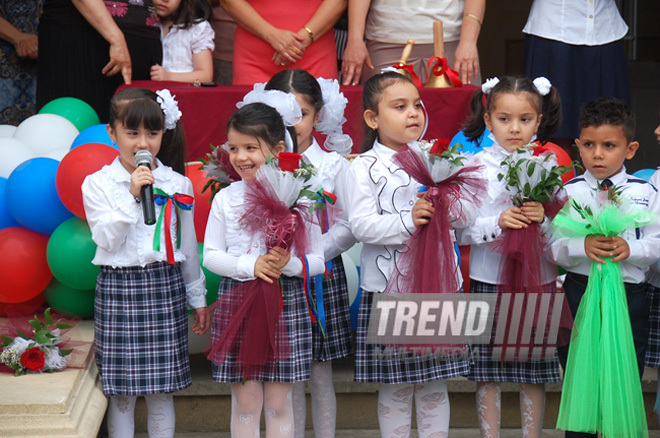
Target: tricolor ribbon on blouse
[
  {"x": 440, "y": 66},
  {"x": 411, "y": 72},
  {"x": 314, "y": 302},
  {"x": 326, "y": 198},
  {"x": 170, "y": 203}
]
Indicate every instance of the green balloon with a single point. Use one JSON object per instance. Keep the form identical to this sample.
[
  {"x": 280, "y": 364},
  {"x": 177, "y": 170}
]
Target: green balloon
[
  {"x": 70, "y": 252},
  {"x": 68, "y": 301},
  {"x": 78, "y": 112}
]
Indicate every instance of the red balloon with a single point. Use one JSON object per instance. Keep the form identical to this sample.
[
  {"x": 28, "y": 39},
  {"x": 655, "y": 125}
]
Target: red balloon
[
  {"x": 24, "y": 271},
  {"x": 563, "y": 159},
  {"x": 74, "y": 167},
  {"x": 202, "y": 204},
  {"x": 26, "y": 308}
]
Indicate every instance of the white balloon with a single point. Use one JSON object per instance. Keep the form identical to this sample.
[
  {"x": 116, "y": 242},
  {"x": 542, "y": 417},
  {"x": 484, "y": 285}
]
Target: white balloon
[
  {"x": 7, "y": 130},
  {"x": 196, "y": 343},
  {"x": 352, "y": 277},
  {"x": 57, "y": 154},
  {"x": 43, "y": 133},
  {"x": 12, "y": 153},
  {"x": 354, "y": 252}
]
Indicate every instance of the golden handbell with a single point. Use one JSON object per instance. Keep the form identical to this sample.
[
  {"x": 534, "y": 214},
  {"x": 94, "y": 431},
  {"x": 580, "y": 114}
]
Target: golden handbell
[
  {"x": 404, "y": 57},
  {"x": 441, "y": 81}
]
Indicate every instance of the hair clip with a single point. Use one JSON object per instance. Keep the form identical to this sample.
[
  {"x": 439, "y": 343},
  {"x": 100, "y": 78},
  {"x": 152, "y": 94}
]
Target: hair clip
[
  {"x": 488, "y": 86},
  {"x": 543, "y": 85},
  {"x": 170, "y": 108}
]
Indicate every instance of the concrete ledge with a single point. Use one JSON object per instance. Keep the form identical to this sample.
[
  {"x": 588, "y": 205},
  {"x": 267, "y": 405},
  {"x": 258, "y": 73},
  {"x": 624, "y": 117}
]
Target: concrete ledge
[{"x": 68, "y": 403}]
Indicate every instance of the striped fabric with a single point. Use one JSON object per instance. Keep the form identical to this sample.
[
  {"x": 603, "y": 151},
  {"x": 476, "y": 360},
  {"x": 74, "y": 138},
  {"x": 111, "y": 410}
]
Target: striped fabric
[{"x": 141, "y": 330}]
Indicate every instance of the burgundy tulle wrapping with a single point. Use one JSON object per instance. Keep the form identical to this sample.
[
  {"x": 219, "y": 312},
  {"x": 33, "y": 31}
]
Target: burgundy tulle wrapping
[
  {"x": 430, "y": 250},
  {"x": 521, "y": 272},
  {"x": 250, "y": 319}
]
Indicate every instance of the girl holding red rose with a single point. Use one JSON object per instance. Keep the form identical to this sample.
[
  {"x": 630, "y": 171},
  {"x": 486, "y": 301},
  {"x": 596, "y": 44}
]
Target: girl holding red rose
[
  {"x": 322, "y": 108},
  {"x": 259, "y": 274},
  {"x": 384, "y": 211},
  {"x": 517, "y": 111}
]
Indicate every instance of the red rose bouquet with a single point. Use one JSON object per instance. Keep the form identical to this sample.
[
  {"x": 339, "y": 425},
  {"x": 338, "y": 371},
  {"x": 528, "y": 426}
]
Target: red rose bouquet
[
  {"x": 218, "y": 169},
  {"x": 38, "y": 353},
  {"x": 278, "y": 205}
]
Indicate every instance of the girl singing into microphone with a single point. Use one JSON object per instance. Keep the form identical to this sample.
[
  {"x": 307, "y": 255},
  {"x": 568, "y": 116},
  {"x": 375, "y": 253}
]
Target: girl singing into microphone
[{"x": 148, "y": 273}]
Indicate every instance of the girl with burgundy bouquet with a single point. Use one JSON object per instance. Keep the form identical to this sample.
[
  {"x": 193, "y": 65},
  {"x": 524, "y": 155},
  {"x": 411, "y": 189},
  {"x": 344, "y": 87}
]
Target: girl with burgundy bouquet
[{"x": 263, "y": 246}]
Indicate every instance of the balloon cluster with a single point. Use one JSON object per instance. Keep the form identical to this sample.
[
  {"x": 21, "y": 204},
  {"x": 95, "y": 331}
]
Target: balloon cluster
[{"x": 46, "y": 246}]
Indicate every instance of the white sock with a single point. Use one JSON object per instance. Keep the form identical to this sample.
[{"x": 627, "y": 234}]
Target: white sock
[
  {"x": 395, "y": 410},
  {"x": 278, "y": 408},
  {"x": 488, "y": 408},
  {"x": 246, "y": 402},
  {"x": 161, "y": 418},
  {"x": 432, "y": 406},
  {"x": 532, "y": 408},
  {"x": 121, "y": 416},
  {"x": 299, "y": 408},
  {"x": 324, "y": 402}
]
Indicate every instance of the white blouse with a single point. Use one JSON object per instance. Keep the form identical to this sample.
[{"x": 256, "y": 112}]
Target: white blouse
[
  {"x": 380, "y": 202},
  {"x": 483, "y": 233},
  {"x": 332, "y": 168},
  {"x": 179, "y": 45},
  {"x": 653, "y": 276},
  {"x": 117, "y": 225},
  {"x": 577, "y": 22},
  {"x": 231, "y": 251}
]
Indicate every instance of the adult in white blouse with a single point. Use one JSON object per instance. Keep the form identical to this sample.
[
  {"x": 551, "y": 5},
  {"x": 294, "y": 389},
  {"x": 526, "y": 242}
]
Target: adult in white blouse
[
  {"x": 578, "y": 45},
  {"x": 388, "y": 24}
]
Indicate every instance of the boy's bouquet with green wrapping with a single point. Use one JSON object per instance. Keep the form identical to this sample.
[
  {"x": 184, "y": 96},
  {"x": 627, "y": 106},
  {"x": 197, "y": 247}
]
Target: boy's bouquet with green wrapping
[{"x": 602, "y": 389}]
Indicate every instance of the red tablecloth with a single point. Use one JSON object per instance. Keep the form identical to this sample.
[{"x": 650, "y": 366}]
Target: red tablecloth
[{"x": 206, "y": 111}]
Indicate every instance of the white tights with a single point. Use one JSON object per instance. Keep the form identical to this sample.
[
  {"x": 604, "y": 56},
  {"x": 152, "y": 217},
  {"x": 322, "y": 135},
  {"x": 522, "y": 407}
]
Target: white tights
[
  {"x": 324, "y": 402},
  {"x": 160, "y": 416},
  {"x": 431, "y": 403},
  {"x": 532, "y": 408},
  {"x": 247, "y": 401}
]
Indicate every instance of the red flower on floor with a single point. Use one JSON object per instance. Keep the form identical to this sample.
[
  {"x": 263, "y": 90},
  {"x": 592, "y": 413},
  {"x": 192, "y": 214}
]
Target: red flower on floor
[{"x": 33, "y": 359}]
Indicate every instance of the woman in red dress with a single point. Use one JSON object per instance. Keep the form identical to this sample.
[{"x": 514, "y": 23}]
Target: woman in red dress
[{"x": 273, "y": 35}]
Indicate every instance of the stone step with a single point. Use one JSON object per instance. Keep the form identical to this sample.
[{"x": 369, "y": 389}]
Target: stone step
[{"x": 206, "y": 405}]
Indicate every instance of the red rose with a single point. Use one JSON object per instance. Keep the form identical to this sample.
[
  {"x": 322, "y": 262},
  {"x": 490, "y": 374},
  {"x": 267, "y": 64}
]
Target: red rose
[
  {"x": 33, "y": 359},
  {"x": 289, "y": 161},
  {"x": 441, "y": 145},
  {"x": 538, "y": 150}
]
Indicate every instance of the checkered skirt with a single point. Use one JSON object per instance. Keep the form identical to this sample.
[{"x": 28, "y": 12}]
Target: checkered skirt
[
  {"x": 653, "y": 345},
  {"x": 338, "y": 339},
  {"x": 141, "y": 330},
  {"x": 299, "y": 329},
  {"x": 485, "y": 370},
  {"x": 410, "y": 368}
]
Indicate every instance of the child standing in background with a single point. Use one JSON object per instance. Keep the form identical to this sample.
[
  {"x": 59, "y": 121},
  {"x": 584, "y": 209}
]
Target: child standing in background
[
  {"x": 517, "y": 110},
  {"x": 255, "y": 132},
  {"x": 383, "y": 212},
  {"x": 322, "y": 107},
  {"x": 141, "y": 324},
  {"x": 187, "y": 39}
]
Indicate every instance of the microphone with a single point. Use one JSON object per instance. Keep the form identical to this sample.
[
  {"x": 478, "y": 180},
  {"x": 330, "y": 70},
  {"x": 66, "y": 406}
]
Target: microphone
[{"x": 144, "y": 158}]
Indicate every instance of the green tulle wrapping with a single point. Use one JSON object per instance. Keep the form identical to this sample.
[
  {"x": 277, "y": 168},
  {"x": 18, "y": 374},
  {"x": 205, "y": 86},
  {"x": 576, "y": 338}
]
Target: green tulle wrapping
[{"x": 602, "y": 389}]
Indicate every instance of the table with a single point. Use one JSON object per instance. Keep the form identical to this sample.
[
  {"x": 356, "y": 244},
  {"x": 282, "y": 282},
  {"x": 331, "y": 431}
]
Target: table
[{"x": 206, "y": 111}]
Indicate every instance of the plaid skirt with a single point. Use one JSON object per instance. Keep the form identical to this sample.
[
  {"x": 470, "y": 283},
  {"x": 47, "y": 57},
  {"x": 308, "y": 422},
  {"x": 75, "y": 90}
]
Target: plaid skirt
[
  {"x": 299, "y": 330},
  {"x": 338, "y": 339},
  {"x": 141, "y": 330},
  {"x": 485, "y": 370},
  {"x": 407, "y": 368},
  {"x": 653, "y": 346}
]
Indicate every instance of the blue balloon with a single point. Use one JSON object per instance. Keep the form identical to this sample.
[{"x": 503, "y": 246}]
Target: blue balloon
[
  {"x": 6, "y": 219},
  {"x": 644, "y": 174},
  {"x": 470, "y": 147},
  {"x": 94, "y": 134},
  {"x": 32, "y": 197}
]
